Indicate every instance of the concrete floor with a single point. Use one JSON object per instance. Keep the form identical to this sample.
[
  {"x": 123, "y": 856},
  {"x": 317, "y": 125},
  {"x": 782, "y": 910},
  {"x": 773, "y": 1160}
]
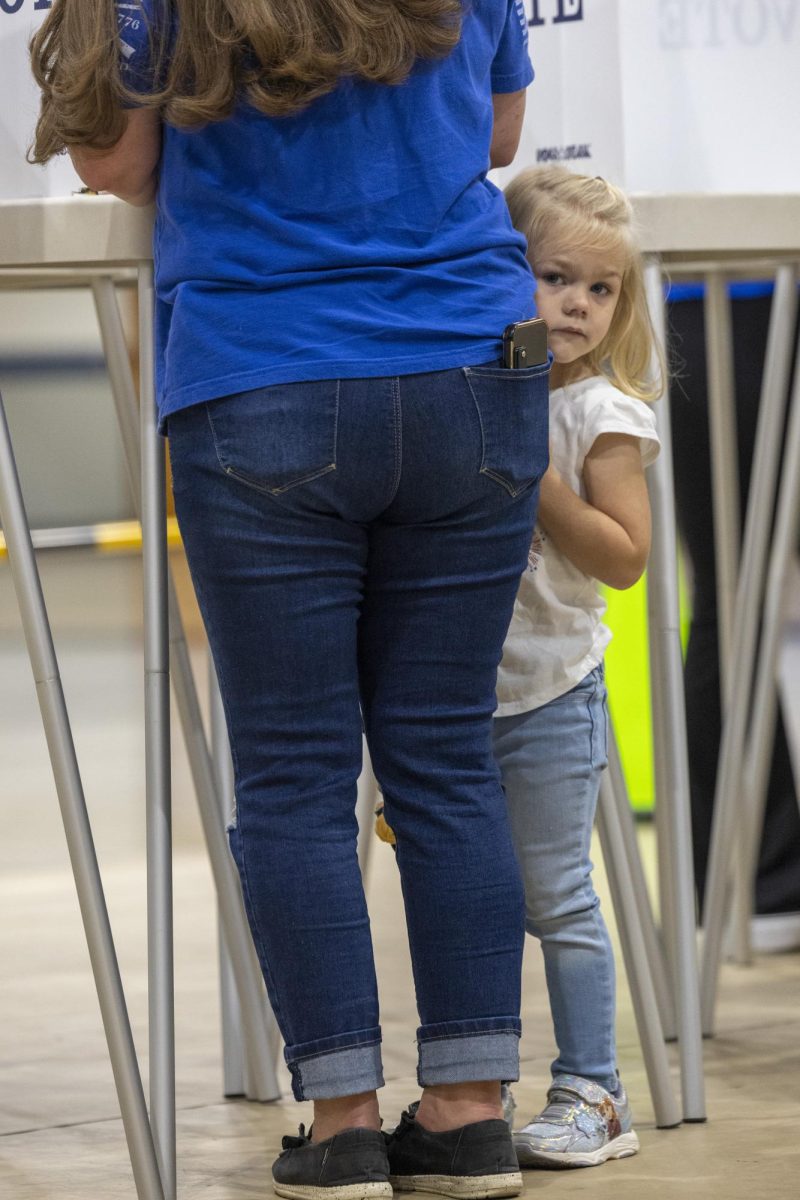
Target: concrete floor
[{"x": 60, "y": 1133}]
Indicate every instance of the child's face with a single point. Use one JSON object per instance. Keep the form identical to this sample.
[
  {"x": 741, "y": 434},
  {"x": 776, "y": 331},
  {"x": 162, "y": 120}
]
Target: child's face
[{"x": 577, "y": 292}]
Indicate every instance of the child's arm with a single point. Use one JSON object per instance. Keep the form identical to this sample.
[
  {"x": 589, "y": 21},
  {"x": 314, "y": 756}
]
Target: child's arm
[{"x": 608, "y": 537}]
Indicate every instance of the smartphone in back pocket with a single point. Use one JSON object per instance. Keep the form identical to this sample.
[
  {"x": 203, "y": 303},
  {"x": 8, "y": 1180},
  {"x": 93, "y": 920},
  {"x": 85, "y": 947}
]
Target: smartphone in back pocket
[{"x": 525, "y": 344}]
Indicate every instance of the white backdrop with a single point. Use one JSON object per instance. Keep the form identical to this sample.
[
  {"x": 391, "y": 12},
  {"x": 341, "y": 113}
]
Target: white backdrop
[
  {"x": 667, "y": 95},
  {"x": 18, "y": 106},
  {"x": 659, "y": 95}
]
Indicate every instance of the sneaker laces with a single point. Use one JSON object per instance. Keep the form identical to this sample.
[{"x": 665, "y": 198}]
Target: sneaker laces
[
  {"x": 405, "y": 1125},
  {"x": 290, "y": 1142},
  {"x": 560, "y": 1102}
]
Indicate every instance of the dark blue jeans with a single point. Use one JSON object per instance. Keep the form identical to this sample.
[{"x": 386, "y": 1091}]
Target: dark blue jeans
[{"x": 356, "y": 547}]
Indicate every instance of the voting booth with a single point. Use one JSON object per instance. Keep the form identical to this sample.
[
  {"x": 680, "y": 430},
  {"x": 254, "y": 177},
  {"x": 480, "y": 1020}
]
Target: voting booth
[{"x": 664, "y": 96}]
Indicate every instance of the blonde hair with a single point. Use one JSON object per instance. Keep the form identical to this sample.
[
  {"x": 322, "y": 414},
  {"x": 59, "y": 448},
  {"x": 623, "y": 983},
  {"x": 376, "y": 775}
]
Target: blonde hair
[
  {"x": 551, "y": 204},
  {"x": 278, "y": 55}
]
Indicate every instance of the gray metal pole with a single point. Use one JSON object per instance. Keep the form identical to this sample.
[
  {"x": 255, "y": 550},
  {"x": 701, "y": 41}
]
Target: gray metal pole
[
  {"x": 665, "y": 852},
  {"x": 261, "y": 1033},
  {"x": 157, "y": 754},
  {"x": 727, "y": 535},
  {"x": 724, "y": 462},
  {"x": 640, "y": 981},
  {"x": 76, "y": 825},
  {"x": 123, "y": 388},
  {"x": 787, "y": 673},
  {"x": 662, "y": 582},
  {"x": 727, "y": 802},
  {"x": 653, "y": 947},
  {"x": 760, "y": 742}
]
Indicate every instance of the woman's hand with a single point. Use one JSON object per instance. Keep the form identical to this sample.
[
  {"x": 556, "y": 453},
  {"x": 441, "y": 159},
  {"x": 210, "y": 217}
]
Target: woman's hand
[{"x": 128, "y": 169}]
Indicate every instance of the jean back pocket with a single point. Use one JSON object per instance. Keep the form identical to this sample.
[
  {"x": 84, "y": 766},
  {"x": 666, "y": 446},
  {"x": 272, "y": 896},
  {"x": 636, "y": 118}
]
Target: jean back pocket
[
  {"x": 513, "y": 411},
  {"x": 275, "y": 438}
]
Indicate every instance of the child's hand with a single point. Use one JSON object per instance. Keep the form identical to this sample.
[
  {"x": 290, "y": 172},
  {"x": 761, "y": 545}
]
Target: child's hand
[{"x": 550, "y": 488}]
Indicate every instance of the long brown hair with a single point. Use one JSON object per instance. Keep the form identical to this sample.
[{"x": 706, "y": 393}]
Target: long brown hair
[
  {"x": 551, "y": 205},
  {"x": 278, "y": 55}
]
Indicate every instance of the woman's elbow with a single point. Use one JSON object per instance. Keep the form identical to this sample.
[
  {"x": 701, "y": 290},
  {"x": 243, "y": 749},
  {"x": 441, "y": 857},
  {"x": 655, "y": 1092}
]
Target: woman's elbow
[
  {"x": 503, "y": 154},
  {"x": 509, "y": 112},
  {"x": 128, "y": 168},
  {"x": 124, "y": 180}
]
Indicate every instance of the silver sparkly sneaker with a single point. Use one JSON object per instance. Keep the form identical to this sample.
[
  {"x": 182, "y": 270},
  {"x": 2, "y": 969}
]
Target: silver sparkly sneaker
[
  {"x": 509, "y": 1105},
  {"x": 583, "y": 1125}
]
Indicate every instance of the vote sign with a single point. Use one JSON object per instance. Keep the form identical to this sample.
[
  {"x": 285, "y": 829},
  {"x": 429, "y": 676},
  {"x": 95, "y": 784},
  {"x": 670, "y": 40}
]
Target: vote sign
[{"x": 666, "y": 95}]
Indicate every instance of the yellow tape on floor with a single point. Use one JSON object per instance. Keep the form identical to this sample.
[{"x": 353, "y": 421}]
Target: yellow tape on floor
[{"x": 111, "y": 537}]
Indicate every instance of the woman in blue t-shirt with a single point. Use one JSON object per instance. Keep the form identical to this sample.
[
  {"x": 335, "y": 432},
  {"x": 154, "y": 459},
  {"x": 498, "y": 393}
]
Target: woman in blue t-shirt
[{"x": 355, "y": 478}]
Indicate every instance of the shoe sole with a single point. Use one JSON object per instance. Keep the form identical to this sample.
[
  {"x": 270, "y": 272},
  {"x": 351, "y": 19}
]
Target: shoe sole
[
  {"x": 472, "y": 1187},
  {"x": 375, "y": 1190},
  {"x": 624, "y": 1146}
]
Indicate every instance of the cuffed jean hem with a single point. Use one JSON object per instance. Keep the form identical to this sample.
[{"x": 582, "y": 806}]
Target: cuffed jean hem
[
  {"x": 457, "y": 1053},
  {"x": 324, "y": 1074}
]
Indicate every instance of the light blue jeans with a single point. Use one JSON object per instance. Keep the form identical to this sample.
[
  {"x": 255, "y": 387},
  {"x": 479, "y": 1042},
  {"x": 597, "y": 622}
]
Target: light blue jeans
[{"x": 551, "y": 760}]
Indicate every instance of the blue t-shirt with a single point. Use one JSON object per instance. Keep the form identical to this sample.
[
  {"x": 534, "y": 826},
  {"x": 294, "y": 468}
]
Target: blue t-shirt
[{"x": 358, "y": 238}]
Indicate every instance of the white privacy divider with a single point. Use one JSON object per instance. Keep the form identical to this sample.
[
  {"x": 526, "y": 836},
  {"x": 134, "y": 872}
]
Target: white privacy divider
[
  {"x": 19, "y": 104},
  {"x": 666, "y": 95}
]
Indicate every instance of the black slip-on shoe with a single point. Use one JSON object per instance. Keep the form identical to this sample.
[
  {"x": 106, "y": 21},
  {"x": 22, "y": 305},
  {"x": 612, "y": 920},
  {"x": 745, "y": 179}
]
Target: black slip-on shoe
[
  {"x": 476, "y": 1161},
  {"x": 351, "y": 1165}
]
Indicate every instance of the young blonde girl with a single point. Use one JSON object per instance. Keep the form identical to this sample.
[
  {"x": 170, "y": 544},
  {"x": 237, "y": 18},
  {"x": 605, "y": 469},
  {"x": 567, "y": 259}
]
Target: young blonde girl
[{"x": 550, "y": 725}]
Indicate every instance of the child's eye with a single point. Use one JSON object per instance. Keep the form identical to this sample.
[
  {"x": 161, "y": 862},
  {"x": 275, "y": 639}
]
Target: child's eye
[
  {"x": 601, "y": 289},
  {"x": 552, "y": 277}
]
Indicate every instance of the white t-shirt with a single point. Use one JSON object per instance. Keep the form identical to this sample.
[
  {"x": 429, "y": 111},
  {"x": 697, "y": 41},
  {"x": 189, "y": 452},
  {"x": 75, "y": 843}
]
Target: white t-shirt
[{"x": 557, "y": 635}]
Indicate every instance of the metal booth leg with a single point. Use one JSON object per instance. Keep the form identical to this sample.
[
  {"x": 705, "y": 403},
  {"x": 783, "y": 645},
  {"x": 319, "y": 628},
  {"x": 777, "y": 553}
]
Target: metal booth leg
[
  {"x": 724, "y": 462},
  {"x": 760, "y": 742},
  {"x": 157, "y": 755},
  {"x": 259, "y": 1032},
  {"x": 727, "y": 531},
  {"x": 727, "y": 803},
  {"x": 76, "y": 825},
  {"x": 665, "y": 648},
  {"x": 641, "y": 896},
  {"x": 665, "y": 851},
  {"x": 640, "y": 980}
]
